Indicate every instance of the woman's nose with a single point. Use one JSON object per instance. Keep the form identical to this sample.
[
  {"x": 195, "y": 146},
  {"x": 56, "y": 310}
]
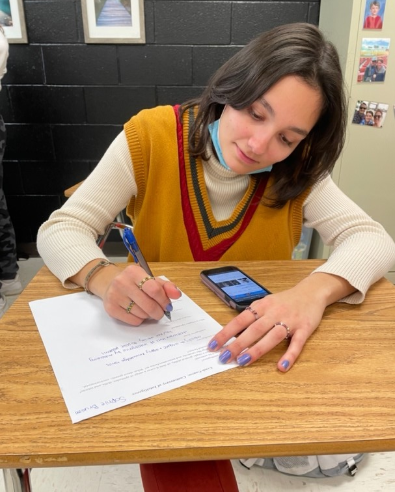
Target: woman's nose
[{"x": 258, "y": 142}]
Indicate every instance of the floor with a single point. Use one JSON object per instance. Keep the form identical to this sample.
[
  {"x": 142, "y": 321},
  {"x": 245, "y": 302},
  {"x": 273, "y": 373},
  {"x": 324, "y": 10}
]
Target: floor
[{"x": 376, "y": 472}]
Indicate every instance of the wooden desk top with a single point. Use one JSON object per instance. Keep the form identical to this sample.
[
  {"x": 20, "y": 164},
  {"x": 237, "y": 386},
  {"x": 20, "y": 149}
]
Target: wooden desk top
[{"x": 338, "y": 398}]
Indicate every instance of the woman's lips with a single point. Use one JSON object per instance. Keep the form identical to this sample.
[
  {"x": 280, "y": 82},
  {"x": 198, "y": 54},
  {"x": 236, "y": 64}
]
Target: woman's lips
[{"x": 243, "y": 157}]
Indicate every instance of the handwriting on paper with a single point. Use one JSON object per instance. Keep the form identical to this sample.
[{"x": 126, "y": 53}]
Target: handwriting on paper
[{"x": 102, "y": 364}]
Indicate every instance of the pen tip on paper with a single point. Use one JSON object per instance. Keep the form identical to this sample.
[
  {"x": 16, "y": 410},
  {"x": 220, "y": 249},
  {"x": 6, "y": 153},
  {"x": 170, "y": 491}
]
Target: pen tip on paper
[{"x": 167, "y": 314}]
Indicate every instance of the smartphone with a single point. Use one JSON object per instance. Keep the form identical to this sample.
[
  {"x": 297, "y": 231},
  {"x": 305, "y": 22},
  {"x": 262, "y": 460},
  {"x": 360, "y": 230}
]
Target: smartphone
[{"x": 237, "y": 289}]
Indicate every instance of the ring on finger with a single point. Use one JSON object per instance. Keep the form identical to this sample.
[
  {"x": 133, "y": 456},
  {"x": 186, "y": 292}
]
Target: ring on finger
[
  {"x": 130, "y": 307},
  {"x": 249, "y": 308},
  {"x": 280, "y": 323},
  {"x": 140, "y": 284}
]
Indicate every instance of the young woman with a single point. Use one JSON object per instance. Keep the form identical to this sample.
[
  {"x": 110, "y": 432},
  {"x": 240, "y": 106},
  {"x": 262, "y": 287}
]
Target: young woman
[
  {"x": 232, "y": 175},
  {"x": 378, "y": 118}
]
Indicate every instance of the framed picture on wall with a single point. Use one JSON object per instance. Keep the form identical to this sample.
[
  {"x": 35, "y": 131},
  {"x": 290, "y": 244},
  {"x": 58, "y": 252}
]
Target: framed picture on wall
[
  {"x": 113, "y": 21},
  {"x": 12, "y": 20}
]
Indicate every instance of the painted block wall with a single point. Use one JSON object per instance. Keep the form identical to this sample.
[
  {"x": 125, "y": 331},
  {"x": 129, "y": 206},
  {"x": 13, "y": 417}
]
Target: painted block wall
[{"x": 64, "y": 101}]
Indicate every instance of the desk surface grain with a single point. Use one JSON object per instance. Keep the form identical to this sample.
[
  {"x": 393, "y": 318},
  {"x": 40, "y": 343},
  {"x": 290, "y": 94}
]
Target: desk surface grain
[{"x": 338, "y": 398}]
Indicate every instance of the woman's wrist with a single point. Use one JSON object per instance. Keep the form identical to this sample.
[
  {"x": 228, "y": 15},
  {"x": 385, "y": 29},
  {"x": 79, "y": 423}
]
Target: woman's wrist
[
  {"x": 101, "y": 281},
  {"x": 326, "y": 287},
  {"x": 93, "y": 271},
  {"x": 96, "y": 276}
]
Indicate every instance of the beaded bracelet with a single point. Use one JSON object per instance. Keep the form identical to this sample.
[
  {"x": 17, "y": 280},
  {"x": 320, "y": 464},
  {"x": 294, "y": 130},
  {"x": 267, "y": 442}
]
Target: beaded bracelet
[{"x": 101, "y": 264}]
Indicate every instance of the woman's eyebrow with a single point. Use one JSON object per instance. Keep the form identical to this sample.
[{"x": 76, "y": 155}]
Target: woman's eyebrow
[
  {"x": 270, "y": 110},
  {"x": 300, "y": 131},
  {"x": 267, "y": 106}
]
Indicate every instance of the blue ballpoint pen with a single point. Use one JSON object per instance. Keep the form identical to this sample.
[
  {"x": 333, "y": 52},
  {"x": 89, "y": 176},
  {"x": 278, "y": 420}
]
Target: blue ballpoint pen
[{"x": 130, "y": 242}]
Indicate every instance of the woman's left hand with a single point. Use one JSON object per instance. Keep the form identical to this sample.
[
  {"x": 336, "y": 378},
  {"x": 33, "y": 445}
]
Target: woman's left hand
[{"x": 261, "y": 326}]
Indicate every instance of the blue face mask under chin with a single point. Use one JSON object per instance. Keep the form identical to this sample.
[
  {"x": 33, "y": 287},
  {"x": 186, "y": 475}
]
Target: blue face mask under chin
[{"x": 213, "y": 128}]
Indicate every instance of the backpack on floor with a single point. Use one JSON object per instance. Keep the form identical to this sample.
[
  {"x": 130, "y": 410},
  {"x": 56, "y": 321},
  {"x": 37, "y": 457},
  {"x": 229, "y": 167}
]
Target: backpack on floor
[{"x": 309, "y": 466}]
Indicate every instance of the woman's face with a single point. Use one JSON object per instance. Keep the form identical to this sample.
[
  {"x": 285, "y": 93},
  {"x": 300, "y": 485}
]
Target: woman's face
[{"x": 271, "y": 128}]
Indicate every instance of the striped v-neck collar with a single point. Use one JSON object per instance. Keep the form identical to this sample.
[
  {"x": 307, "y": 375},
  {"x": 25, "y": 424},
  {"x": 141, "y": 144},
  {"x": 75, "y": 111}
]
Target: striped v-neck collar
[{"x": 209, "y": 238}]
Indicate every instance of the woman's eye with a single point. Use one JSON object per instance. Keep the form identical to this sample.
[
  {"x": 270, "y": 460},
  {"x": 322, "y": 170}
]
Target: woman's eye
[
  {"x": 255, "y": 115},
  {"x": 285, "y": 140}
]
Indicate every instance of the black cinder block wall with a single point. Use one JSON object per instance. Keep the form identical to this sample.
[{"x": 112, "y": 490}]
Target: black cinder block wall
[{"x": 64, "y": 101}]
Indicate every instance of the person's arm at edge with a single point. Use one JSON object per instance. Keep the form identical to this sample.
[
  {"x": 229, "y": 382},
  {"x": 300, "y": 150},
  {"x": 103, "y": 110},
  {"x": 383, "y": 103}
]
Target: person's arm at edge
[
  {"x": 363, "y": 251},
  {"x": 67, "y": 240},
  {"x": 4, "y": 51}
]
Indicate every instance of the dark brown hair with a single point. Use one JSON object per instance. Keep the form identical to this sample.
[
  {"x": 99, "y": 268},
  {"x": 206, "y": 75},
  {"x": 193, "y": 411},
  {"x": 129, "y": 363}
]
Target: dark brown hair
[{"x": 300, "y": 50}]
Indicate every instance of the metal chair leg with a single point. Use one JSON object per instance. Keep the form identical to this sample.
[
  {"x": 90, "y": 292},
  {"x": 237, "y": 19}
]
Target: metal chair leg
[{"x": 101, "y": 240}]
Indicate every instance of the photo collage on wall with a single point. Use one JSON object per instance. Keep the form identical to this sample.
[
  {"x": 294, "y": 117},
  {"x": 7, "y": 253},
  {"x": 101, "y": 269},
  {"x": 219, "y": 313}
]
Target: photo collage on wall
[{"x": 373, "y": 64}]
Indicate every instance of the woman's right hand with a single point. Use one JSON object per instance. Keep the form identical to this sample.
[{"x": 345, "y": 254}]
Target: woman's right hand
[
  {"x": 133, "y": 296},
  {"x": 130, "y": 294}
]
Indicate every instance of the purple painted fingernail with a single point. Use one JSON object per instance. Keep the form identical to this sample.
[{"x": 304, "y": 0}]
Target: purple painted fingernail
[
  {"x": 225, "y": 356},
  {"x": 212, "y": 345},
  {"x": 285, "y": 364},
  {"x": 244, "y": 359}
]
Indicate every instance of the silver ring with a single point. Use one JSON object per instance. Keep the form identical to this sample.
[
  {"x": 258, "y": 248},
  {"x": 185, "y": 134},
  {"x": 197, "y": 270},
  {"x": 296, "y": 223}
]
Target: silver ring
[
  {"x": 288, "y": 336},
  {"x": 130, "y": 307},
  {"x": 249, "y": 308}
]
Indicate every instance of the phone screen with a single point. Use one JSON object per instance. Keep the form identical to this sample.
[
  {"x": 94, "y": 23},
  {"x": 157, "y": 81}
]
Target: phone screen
[{"x": 238, "y": 286}]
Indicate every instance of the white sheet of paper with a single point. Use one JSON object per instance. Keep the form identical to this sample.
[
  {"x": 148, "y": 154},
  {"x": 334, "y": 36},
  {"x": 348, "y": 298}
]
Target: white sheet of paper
[{"x": 102, "y": 364}]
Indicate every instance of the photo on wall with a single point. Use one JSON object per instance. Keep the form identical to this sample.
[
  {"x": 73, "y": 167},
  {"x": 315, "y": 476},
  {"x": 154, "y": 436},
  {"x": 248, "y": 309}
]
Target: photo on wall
[
  {"x": 370, "y": 113},
  {"x": 373, "y": 59},
  {"x": 12, "y": 20},
  {"x": 374, "y": 14},
  {"x": 113, "y": 21}
]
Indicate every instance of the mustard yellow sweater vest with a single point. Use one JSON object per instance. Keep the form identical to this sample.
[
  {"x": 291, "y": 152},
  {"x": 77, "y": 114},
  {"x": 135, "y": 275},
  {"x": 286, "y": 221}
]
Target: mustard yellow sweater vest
[{"x": 171, "y": 214}]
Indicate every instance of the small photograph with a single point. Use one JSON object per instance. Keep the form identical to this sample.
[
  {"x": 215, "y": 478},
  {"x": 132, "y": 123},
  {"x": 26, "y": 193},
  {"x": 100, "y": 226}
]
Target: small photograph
[
  {"x": 113, "y": 13},
  {"x": 370, "y": 113},
  {"x": 12, "y": 20},
  {"x": 373, "y": 59},
  {"x": 374, "y": 14},
  {"x": 113, "y": 21},
  {"x": 5, "y": 13}
]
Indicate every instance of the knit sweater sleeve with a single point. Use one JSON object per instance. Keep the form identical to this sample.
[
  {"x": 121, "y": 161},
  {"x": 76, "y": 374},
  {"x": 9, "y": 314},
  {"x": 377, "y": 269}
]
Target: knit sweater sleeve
[
  {"x": 363, "y": 252},
  {"x": 3, "y": 55},
  {"x": 67, "y": 240}
]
